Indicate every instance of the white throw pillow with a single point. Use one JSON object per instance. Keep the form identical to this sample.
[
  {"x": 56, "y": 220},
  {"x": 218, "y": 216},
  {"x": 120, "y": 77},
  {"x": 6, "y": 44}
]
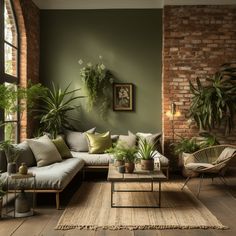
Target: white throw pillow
[{"x": 44, "y": 150}]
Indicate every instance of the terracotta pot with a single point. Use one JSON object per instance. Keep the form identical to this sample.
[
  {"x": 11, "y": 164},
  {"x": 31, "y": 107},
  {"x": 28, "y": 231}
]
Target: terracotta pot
[
  {"x": 129, "y": 167},
  {"x": 147, "y": 164},
  {"x": 119, "y": 163}
]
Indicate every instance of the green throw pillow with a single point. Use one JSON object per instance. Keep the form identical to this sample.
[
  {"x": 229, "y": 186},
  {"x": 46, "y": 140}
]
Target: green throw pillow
[
  {"x": 62, "y": 147},
  {"x": 98, "y": 143}
]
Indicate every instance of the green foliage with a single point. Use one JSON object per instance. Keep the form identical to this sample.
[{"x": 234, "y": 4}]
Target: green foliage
[
  {"x": 97, "y": 80},
  {"x": 186, "y": 145},
  {"x": 11, "y": 151},
  {"x": 15, "y": 99},
  {"x": 54, "y": 107},
  {"x": 209, "y": 140},
  {"x": 121, "y": 153},
  {"x": 146, "y": 150},
  {"x": 215, "y": 101}
]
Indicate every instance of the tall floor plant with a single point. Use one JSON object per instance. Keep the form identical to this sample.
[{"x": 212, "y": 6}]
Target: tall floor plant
[{"x": 54, "y": 107}]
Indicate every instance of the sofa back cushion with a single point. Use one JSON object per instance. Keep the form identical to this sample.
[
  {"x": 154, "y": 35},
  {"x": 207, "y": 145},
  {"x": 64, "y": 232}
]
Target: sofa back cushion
[
  {"x": 98, "y": 143},
  {"x": 25, "y": 155},
  {"x": 77, "y": 141},
  {"x": 154, "y": 139},
  {"x": 62, "y": 148},
  {"x": 128, "y": 141},
  {"x": 44, "y": 150}
]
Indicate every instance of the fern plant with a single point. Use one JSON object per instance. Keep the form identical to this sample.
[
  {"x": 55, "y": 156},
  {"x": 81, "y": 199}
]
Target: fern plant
[
  {"x": 97, "y": 80},
  {"x": 54, "y": 107}
]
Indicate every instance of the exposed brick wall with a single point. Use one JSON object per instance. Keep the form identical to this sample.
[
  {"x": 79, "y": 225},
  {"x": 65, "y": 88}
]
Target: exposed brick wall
[
  {"x": 28, "y": 14},
  {"x": 196, "y": 41}
]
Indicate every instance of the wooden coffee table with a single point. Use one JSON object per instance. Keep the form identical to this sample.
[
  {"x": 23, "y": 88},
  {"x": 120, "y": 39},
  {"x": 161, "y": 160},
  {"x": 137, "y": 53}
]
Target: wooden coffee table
[{"x": 138, "y": 176}]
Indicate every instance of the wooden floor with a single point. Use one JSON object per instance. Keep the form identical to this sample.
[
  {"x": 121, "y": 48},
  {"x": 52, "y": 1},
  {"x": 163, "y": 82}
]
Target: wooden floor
[{"x": 219, "y": 199}]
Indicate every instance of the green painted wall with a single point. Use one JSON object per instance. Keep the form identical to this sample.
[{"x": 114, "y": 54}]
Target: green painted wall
[{"x": 130, "y": 42}]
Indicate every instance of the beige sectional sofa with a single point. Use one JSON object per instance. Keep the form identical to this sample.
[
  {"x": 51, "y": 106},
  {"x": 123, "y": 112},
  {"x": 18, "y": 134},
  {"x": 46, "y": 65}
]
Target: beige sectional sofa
[{"x": 55, "y": 177}]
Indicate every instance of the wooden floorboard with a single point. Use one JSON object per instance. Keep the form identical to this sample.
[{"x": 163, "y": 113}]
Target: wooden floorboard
[{"x": 219, "y": 199}]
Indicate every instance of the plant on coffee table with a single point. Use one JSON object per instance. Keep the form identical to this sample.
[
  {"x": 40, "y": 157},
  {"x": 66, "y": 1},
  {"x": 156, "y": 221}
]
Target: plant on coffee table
[{"x": 146, "y": 152}]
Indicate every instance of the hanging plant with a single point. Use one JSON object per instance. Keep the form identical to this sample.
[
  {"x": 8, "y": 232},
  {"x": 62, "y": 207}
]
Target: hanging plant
[{"x": 97, "y": 80}]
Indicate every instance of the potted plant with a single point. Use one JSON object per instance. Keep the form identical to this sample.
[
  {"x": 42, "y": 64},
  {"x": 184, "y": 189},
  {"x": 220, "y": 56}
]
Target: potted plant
[
  {"x": 12, "y": 154},
  {"x": 184, "y": 147},
  {"x": 118, "y": 155},
  {"x": 2, "y": 193},
  {"x": 146, "y": 152},
  {"x": 130, "y": 159},
  {"x": 53, "y": 110}
]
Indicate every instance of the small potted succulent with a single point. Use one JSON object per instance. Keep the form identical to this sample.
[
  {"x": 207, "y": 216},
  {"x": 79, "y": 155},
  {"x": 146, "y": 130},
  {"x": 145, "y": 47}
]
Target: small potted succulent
[{"x": 146, "y": 152}]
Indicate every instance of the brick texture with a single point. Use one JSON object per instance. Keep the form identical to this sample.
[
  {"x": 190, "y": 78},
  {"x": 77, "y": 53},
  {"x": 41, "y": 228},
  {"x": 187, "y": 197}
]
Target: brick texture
[
  {"x": 196, "y": 41},
  {"x": 28, "y": 18}
]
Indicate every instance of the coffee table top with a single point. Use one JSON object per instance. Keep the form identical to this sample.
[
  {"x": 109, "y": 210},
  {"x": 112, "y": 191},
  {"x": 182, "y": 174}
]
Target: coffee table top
[{"x": 138, "y": 175}]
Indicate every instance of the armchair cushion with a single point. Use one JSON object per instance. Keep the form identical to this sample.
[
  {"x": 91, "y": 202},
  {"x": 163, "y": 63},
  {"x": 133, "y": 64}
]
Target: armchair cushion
[
  {"x": 225, "y": 154},
  {"x": 198, "y": 166}
]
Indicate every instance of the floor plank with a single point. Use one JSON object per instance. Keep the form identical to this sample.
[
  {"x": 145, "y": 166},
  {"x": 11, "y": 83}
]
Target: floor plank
[{"x": 219, "y": 199}]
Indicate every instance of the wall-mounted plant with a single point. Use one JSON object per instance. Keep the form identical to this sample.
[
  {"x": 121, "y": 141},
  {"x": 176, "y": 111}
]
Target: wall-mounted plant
[
  {"x": 97, "y": 80},
  {"x": 215, "y": 101}
]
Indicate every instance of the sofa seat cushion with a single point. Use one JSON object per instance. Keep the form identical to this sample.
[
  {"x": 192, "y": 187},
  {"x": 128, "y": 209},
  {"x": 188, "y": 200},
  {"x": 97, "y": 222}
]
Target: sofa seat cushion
[
  {"x": 52, "y": 177},
  {"x": 92, "y": 159}
]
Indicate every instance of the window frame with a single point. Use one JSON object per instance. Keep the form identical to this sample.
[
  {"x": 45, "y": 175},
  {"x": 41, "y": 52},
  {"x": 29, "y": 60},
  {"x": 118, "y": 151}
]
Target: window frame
[{"x": 6, "y": 78}]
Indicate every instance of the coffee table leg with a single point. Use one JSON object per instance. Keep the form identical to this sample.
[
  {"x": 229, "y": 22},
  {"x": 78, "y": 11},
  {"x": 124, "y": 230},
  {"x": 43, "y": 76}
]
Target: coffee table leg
[
  {"x": 112, "y": 189},
  {"x": 159, "y": 193}
]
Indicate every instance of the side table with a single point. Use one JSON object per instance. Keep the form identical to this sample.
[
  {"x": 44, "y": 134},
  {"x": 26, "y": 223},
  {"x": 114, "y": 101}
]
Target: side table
[{"x": 13, "y": 183}]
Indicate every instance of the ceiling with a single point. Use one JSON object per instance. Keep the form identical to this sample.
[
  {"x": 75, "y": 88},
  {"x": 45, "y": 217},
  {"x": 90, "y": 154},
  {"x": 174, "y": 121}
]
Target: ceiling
[{"x": 119, "y": 4}]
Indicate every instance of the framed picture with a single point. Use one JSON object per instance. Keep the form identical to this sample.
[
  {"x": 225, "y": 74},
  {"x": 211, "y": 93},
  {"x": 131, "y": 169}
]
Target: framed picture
[{"x": 123, "y": 94}]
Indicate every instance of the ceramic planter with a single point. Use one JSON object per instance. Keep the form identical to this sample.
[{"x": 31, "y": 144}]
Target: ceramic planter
[
  {"x": 129, "y": 167},
  {"x": 11, "y": 168},
  {"x": 147, "y": 164}
]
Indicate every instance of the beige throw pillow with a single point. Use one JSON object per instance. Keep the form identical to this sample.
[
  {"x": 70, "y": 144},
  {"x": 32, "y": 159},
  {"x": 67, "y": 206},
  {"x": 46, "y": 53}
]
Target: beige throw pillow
[
  {"x": 128, "y": 141},
  {"x": 77, "y": 141},
  {"x": 44, "y": 151}
]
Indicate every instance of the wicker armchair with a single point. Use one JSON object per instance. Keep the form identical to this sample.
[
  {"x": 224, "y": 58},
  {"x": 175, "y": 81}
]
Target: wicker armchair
[{"x": 204, "y": 162}]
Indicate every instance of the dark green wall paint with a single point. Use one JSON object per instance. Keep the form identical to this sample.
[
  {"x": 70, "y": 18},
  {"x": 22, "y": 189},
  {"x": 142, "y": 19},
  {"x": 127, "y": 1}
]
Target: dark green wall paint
[{"x": 130, "y": 42}]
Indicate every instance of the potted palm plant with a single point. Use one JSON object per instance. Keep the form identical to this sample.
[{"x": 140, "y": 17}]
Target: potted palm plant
[
  {"x": 146, "y": 152},
  {"x": 53, "y": 110}
]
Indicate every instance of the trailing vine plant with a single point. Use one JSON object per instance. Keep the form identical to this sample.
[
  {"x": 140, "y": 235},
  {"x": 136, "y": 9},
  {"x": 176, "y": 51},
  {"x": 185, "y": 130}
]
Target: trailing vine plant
[{"x": 97, "y": 80}]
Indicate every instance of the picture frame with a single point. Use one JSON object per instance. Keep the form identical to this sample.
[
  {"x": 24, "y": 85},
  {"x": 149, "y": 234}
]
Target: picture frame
[{"x": 123, "y": 97}]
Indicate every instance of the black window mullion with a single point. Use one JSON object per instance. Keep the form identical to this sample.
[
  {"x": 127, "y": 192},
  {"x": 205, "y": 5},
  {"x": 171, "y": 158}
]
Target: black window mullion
[{"x": 3, "y": 76}]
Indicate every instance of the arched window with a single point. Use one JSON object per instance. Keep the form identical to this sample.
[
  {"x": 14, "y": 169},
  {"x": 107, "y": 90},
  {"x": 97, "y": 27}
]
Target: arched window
[{"x": 9, "y": 64}]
